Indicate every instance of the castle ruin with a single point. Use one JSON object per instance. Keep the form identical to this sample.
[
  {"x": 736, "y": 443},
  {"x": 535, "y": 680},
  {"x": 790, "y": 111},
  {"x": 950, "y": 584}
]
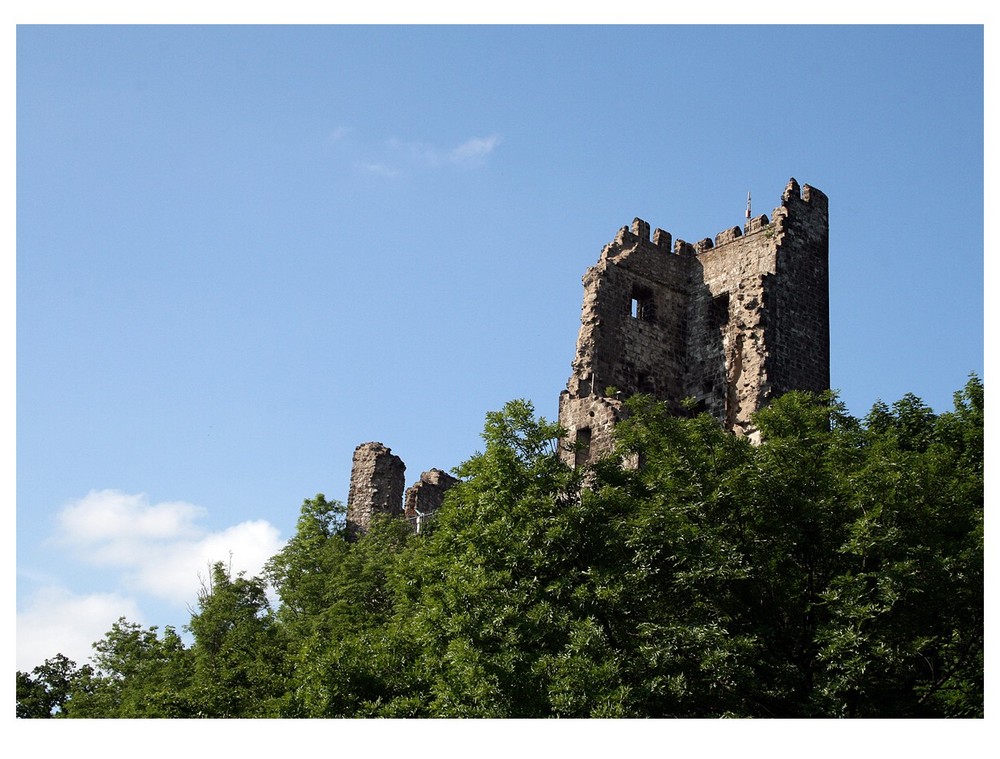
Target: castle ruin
[{"x": 729, "y": 323}]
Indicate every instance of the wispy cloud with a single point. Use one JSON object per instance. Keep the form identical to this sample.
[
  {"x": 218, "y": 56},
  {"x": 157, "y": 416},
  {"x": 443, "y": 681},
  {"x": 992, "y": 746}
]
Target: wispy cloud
[
  {"x": 378, "y": 169},
  {"x": 338, "y": 133},
  {"x": 401, "y": 155},
  {"x": 473, "y": 150}
]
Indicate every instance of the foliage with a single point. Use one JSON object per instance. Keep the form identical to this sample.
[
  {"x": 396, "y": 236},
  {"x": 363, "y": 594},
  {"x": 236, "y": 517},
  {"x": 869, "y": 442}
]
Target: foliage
[
  {"x": 43, "y": 692},
  {"x": 136, "y": 673},
  {"x": 836, "y": 569},
  {"x": 238, "y": 650}
]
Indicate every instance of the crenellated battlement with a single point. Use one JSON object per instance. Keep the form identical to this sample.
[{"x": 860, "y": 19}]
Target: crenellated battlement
[
  {"x": 728, "y": 235},
  {"x": 729, "y": 321},
  {"x": 639, "y": 232},
  {"x": 682, "y": 248},
  {"x": 794, "y": 200},
  {"x": 757, "y": 224},
  {"x": 662, "y": 239},
  {"x": 640, "y": 229},
  {"x": 808, "y": 195}
]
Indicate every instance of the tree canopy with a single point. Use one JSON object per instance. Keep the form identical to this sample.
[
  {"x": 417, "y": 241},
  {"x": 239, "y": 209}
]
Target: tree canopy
[{"x": 833, "y": 570}]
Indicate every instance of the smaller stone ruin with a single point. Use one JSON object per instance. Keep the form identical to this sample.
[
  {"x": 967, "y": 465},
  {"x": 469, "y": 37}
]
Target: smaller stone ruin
[
  {"x": 377, "y": 482},
  {"x": 425, "y": 497}
]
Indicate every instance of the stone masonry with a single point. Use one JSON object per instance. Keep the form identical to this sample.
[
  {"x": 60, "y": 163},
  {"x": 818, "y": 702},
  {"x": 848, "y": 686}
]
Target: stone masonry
[
  {"x": 377, "y": 482},
  {"x": 426, "y": 496},
  {"x": 730, "y": 322}
]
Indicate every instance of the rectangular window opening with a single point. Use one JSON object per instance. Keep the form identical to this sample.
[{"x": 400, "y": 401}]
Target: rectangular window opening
[
  {"x": 641, "y": 304},
  {"x": 719, "y": 311}
]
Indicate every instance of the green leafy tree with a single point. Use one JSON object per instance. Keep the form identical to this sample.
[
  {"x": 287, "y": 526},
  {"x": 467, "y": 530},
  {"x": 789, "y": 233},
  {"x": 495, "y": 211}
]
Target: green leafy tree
[
  {"x": 300, "y": 572},
  {"x": 136, "y": 673},
  {"x": 717, "y": 578},
  {"x": 350, "y": 659},
  {"x": 479, "y": 604},
  {"x": 905, "y": 631},
  {"x": 239, "y": 655},
  {"x": 683, "y": 534},
  {"x": 336, "y": 605},
  {"x": 43, "y": 692},
  {"x": 835, "y": 569}
]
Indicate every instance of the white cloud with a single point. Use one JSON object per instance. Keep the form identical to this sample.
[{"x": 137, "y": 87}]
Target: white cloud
[
  {"x": 107, "y": 515},
  {"x": 174, "y": 572},
  {"x": 160, "y": 548},
  {"x": 59, "y": 622}
]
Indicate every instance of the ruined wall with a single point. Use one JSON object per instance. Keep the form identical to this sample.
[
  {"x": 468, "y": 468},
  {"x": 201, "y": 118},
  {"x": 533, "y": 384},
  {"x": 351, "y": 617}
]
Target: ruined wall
[
  {"x": 729, "y": 322},
  {"x": 377, "y": 482},
  {"x": 727, "y": 317},
  {"x": 631, "y": 336},
  {"x": 426, "y": 496},
  {"x": 759, "y": 319},
  {"x": 632, "y": 323}
]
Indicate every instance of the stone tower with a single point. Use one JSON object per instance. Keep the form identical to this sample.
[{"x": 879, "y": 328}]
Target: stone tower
[
  {"x": 730, "y": 323},
  {"x": 377, "y": 482}
]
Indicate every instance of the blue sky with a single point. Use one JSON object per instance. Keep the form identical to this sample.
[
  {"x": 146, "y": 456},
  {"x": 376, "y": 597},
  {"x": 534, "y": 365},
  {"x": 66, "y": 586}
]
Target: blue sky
[{"x": 242, "y": 251}]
